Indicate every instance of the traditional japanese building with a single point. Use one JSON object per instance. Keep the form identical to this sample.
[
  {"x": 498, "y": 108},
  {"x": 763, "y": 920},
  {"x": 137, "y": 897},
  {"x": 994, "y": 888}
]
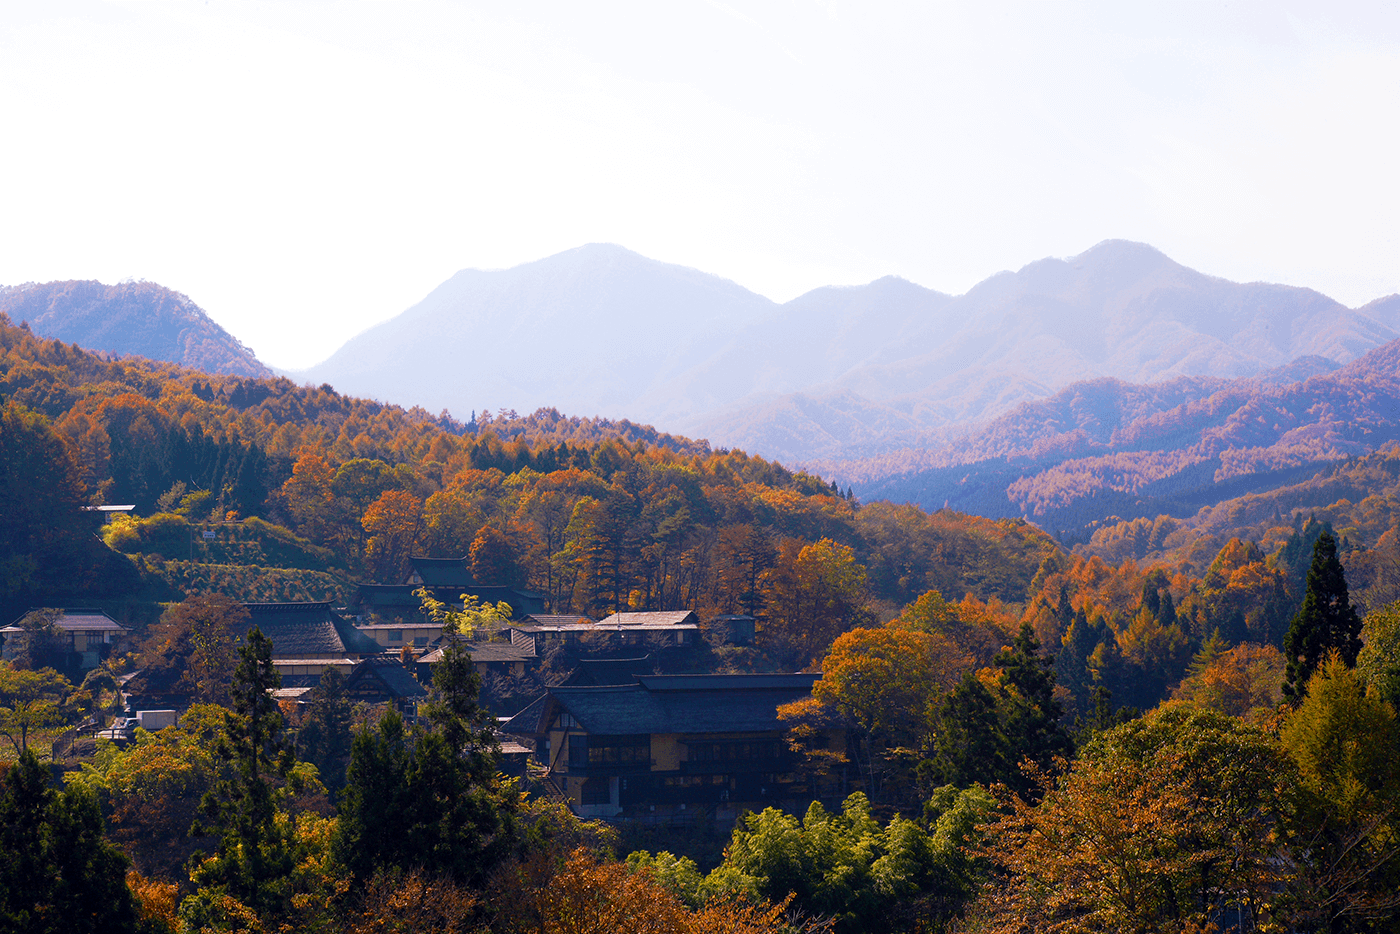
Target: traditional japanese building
[
  {"x": 446, "y": 579},
  {"x": 662, "y": 744},
  {"x": 307, "y": 638},
  {"x": 657, "y": 628},
  {"x": 500, "y": 657},
  {"x": 86, "y": 636}
]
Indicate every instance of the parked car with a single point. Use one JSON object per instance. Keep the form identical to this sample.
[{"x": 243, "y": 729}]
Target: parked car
[{"x": 121, "y": 732}]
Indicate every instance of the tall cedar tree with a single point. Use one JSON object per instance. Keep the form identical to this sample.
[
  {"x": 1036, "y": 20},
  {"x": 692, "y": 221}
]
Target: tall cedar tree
[
  {"x": 255, "y": 856},
  {"x": 429, "y": 798},
  {"x": 58, "y": 875},
  {"x": 1326, "y": 621},
  {"x": 985, "y": 734},
  {"x": 325, "y": 735}
]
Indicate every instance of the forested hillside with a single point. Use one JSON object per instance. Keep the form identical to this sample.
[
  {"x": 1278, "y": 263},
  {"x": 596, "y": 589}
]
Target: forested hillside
[
  {"x": 1110, "y": 449},
  {"x": 595, "y": 514},
  {"x": 1163, "y": 703},
  {"x": 140, "y": 318}
]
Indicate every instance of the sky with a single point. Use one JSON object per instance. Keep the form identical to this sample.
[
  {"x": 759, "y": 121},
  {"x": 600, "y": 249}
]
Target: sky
[{"x": 303, "y": 170}]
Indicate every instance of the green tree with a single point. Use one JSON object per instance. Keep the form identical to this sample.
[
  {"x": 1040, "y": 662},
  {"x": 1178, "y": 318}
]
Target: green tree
[
  {"x": 1169, "y": 823},
  {"x": 429, "y": 798},
  {"x": 57, "y": 873},
  {"x": 41, "y": 493},
  {"x": 29, "y": 701},
  {"x": 44, "y": 644},
  {"x": 1326, "y": 622},
  {"x": 325, "y": 735},
  {"x": 256, "y": 856},
  {"x": 1346, "y": 743},
  {"x": 986, "y": 731},
  {"x": 1378, "y": 662}
]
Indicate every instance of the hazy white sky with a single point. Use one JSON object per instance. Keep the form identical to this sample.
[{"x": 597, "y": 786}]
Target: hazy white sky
[{"x": 303, "y": 170}]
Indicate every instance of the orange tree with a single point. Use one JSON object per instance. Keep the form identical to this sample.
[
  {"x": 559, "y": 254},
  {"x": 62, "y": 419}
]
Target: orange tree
[
  {"x": 811, "y": 595},
  {"x": 1163, "y": 824}
]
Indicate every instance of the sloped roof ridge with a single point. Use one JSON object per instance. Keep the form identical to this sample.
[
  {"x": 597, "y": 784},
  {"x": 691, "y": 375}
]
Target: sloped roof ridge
[{"x": 593, "y": 688}]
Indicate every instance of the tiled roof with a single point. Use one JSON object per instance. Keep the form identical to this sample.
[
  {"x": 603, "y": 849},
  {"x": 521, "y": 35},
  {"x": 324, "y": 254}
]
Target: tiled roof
[
  {"x": 486, "y": 652},
  {"x": 298, "y": 630},
  {"x": 401, "y": 595},
  {"x": 81, "y": 620},
  {"x": 531, "y": 720},
  {"x": 544, "y": 619},
  {"x": 610, "y": 670},
  {"x": 652, "y": 618},
  {"x": 674, "y": 704},
  {"x": 388, "y": 669}
]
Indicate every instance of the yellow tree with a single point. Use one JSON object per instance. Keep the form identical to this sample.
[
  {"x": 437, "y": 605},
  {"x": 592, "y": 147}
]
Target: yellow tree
[
  {"x": 886, "y": 682},
  {"x": 811, "y": 594},
  {"x": 1345, "y": 740}
]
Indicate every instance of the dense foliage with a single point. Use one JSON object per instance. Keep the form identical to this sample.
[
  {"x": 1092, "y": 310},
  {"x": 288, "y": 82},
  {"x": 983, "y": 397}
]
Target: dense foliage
[{"x": 996, "y": 772}]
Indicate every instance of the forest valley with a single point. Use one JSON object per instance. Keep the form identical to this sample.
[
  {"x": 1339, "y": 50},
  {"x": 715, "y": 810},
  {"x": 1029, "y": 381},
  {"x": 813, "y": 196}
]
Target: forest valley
[{"x": 1045, "y": 739}]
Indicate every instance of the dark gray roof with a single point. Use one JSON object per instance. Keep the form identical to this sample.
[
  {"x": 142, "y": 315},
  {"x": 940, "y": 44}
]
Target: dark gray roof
[
  {"x": 610, "y": 670},
  {"x": 80, "y": 620},
  {"x": 398, "y": 680},
  {"x": 673, "y": 704},
  {"x": 531, "y": 720},
  {"x": 545, "y": 619},
  {"x": 401, "y": 595},
  {"x": 298, "y": 630},
  {"x": 442, "y": 572}
]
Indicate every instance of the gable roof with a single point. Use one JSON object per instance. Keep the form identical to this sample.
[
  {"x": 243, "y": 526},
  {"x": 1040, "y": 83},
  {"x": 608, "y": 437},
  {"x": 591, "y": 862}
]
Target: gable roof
[
  {"x": 77, "y": 620},
  {"x": 485, "y": 652},
  {"x": 671, "y": 704},
  {"x": 391, "y": 673},
  {"x": 299, "y": 630},
  {"x": 401, "y": 595},
  {"x": 609, "y": 670}
]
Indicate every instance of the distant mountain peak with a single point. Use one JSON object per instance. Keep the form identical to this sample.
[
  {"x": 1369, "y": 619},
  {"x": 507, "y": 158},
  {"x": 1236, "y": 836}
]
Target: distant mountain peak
[{"x": 132, "y": 317}]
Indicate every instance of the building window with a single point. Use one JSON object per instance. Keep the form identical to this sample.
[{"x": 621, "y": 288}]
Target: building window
[
  {"x": 735, "y": 752},
  {"x": 395, "y": 635},
  {"x": 620, "y": 750},
  {"x": 594, "y": 791},
  {"x": 596, "y": 751}
]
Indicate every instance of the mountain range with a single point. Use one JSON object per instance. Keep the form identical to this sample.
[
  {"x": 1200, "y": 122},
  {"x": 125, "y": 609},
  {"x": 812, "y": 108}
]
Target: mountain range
[
  {"x": 840, "y": 372},
  {"x": 885, "y": 386},
  {"x": 1106, "y": 448},
  {"x": 140, "y": 318}
]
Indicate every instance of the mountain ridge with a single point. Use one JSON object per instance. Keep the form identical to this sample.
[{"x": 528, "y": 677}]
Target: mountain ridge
[
  {"x": 132, "y": 317},
  {"x": 839, "y": 371}
]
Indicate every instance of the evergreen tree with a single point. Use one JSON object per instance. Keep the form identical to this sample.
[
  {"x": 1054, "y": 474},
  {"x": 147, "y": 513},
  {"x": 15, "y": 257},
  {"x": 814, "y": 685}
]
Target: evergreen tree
[
  {"x": 256, "y": 854},
  {"x": 984, "y": 735},
  {"x": 325, "y": 736},
  {"x": 430, "y": 798},
  {"x": 1326, "y": 621},
  {"x": 58, "y": 875}
]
